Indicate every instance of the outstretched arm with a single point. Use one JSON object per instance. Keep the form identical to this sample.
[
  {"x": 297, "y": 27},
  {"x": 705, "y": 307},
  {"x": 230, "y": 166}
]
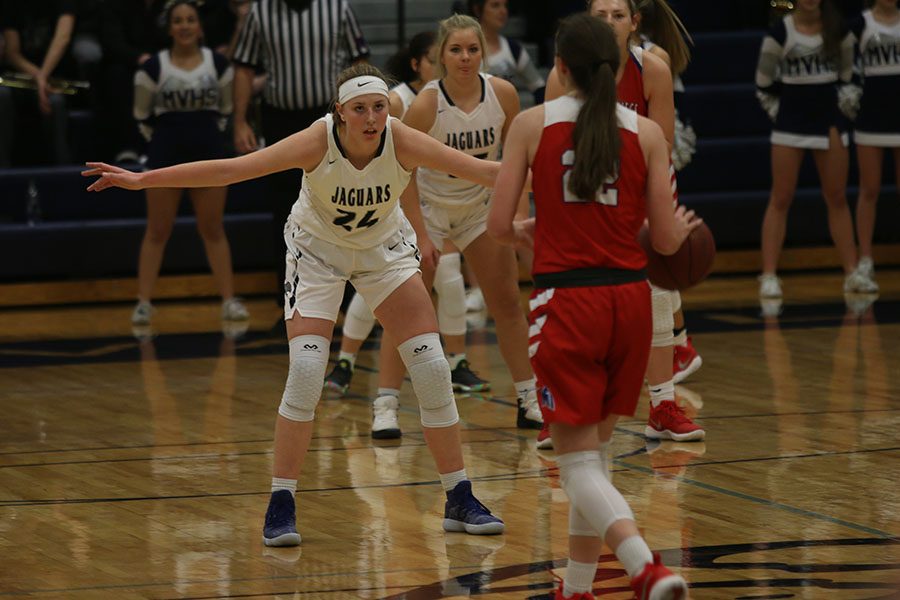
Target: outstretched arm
[
  {"x": 416, "y": 149},
  {"x": 303, "y": 150}
]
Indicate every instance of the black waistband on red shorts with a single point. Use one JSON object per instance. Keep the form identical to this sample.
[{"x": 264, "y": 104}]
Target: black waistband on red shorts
[{"x": 589, "y": 277}]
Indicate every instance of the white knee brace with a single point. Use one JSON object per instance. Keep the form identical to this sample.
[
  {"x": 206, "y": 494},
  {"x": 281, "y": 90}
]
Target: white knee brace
[
  {"x": 663, "y": 321},
  {"x": 309, "y": 357},
  {"x": 590, "y": 494},
  {"x": 430, "y": 375},
  {"x": 676, "y": 302},
  {"x": 578, "y": 525},
  {"x": 358, "y": 320},
  {"x": 451, "y": 291}
]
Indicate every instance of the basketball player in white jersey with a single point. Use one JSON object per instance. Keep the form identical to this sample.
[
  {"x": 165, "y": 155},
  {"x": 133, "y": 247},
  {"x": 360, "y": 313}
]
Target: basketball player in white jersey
[
  {"x": 469, "y": 111},
  {"x": 347, "y": 225},
  {"x": 414, "y": 66}
]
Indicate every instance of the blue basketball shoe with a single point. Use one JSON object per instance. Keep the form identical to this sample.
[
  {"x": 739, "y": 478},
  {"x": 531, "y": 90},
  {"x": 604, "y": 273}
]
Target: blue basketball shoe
[
  {"x": 463, "y": 512},
  {"x": 280, "y": 528}
]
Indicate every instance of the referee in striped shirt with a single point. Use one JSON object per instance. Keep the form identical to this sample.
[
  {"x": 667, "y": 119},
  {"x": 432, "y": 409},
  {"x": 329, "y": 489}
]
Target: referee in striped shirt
[{"x": 302, "y": 45}]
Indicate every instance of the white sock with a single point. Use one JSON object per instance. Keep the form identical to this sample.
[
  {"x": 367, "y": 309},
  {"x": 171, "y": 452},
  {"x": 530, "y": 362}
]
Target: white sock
[
  {"x": 681, "y": 336},
  {"x": 579, "y": 578},
  {"x": 661, "y": 392},
  {"x": 455, "y": 359},
  {"x": 523, "y": 387},
  {"x": 634, "y": 554},
  {"x": 449, "y": 480},
  {"x": 349, "y": 357},
  {"x": 388, "y": 392},
  {"x": 279, "y": 483}
]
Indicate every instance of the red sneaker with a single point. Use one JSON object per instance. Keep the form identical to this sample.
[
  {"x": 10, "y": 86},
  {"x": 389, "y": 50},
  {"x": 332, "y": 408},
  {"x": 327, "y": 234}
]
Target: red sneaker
[
  {"x": 668, "y": 422},
  {"x": 656, "y": 582},
  {"x": 558, "y": 595},
  {"x": 685, "y": 361},
  {"x": 544, "y": 441}
]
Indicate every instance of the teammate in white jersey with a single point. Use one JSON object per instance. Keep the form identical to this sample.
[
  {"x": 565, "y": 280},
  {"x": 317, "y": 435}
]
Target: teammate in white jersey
[
  {"x": 877, "y": 128},
  {"x": 469, "y": 111},
  {"x": 347, "y": 225},
  {"x": 414, "y": 66},
  {"x": 182, "y": 97}
]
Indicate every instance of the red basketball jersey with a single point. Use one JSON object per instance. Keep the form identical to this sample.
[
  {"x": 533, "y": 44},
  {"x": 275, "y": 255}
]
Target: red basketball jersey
[
  {"x": 599, "y": 232},
  {"x": 630, "y": 89}
]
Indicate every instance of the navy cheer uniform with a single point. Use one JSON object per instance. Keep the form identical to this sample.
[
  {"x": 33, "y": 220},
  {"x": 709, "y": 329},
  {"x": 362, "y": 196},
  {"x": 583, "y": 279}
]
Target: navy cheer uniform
[
  {"x": 798, "y": 86},
  {"x": 878, "y": 58},
  {"x": 182, "y": 113}
]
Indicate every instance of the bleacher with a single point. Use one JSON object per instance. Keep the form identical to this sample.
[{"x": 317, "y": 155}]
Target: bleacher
[{"x": 76, "y": 235}]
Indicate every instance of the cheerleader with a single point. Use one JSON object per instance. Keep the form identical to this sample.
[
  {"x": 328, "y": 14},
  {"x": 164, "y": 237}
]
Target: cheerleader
[
  {"x": 877, "y": 35},
  {"x": 181, "y": 99},
  {"x": 804, "y": 62}
]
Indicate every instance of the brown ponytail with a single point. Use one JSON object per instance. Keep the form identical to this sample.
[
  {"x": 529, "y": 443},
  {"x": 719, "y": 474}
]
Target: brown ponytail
[
  {"x": 589, "y": 49},
  {"x": 660, "y": 23}
]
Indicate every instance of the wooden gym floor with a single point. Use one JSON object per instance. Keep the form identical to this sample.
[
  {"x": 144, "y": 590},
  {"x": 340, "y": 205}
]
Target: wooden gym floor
[{"x": 139, "y": 468}]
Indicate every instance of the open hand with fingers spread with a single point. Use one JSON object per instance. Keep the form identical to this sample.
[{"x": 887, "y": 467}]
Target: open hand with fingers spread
[{"x": 112, "y": 176}]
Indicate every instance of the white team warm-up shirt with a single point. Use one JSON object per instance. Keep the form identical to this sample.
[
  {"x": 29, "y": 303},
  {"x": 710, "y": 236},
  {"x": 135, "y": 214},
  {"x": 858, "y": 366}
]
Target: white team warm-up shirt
[{"x": 350, "y": 207}]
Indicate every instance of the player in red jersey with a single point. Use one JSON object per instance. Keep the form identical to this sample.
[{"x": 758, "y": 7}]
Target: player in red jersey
[
  {"x": 644, "y": 84},
  {"x": 598, "y": 170}
]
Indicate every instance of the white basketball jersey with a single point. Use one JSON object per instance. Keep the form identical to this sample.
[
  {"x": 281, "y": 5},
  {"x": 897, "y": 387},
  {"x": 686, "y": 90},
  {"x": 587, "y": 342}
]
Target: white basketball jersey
[
  {"x": 406, "y": 94},
  {"x": 476, "y": 133},
  {"x": 351, "y": 207}
]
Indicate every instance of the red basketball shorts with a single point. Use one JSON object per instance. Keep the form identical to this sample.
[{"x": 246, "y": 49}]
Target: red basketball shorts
[{"x": 589, "y": 348}]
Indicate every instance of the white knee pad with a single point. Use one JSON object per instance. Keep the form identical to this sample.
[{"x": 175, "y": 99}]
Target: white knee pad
[
  {"x": 430, "y": 375},
  {"x": 590, "y": 494},
  {"x": 309, "y": 358},
  {"x": 358, "y": 320},
  {"x": 578, "y": 525},
  {"x": 676, "y": 302},
  {"x": 663, "y": 321},
  {"x": 451, "y": 291}
]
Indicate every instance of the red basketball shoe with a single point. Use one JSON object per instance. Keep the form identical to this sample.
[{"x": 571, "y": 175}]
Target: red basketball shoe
[
  {"x": 544, "y": 441},
  {"x": 668, "y": 422},
  {"x": 656, "y": 582},
  {"x": 685, "y": 361},
  {"x": 558, "y": 595}
]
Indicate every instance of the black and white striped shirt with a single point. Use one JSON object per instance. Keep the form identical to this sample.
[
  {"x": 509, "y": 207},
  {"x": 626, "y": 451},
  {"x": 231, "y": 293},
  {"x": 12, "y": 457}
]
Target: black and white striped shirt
[{"x": 302, "y": 51}]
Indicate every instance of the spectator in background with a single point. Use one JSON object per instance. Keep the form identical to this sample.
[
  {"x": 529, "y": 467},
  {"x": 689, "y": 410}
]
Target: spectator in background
[
  {"x": 506, "y": 58},
  {"x": 129, "y": 36},
  {"x": 86, "y": 48},
  {"x": 182, "y": 96},
  {"x": 222, "y": 21},
  {"x": 37, "y": 36},
  {"x": 303, "y": 45}
]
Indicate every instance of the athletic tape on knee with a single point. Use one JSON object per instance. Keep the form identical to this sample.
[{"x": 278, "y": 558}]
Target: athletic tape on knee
[
  {"x": 590, "y": 493},
  {"x": 358, "y": 320},
  {"x": 676, "y": 302},
  {"x": 309, "y": 358},
  {"x": 430, "y": 375},
  {"x": 663, "y": 321},
  {"x": 451, "y": 291}
]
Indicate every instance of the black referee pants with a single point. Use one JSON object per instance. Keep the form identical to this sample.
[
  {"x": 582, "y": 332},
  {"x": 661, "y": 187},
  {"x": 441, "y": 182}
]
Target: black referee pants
[{"x": 282, "y": 188}]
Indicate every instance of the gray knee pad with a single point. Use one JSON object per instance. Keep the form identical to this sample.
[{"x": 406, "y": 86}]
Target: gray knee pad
[
  {"x": 309, "y": 357},
  {"x": 451, "y": 291},
  {"x": 663, "y": 321},
  {"x": 430, "y": 375},
  {"x": 676, "y": 301},
  {"x": 358, "y": 320}
]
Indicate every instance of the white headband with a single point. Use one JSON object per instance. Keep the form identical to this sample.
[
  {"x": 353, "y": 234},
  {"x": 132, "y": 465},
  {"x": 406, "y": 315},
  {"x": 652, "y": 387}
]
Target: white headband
[{"x": 358, "y": 86}]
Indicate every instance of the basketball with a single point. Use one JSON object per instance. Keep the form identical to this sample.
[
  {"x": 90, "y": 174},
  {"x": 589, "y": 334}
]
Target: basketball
[{"x": 687, "y": 267}]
